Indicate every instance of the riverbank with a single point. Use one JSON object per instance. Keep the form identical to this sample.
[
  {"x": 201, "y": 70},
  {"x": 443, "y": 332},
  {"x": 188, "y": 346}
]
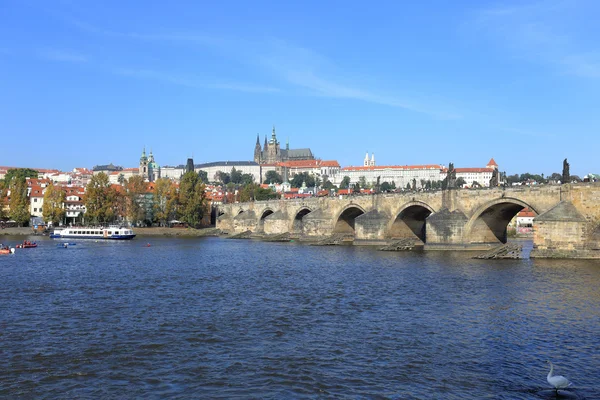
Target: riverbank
[
  {"x": 16, "y": 231},
  {"x": 156, "y": 231},
  {"x": 181, "y": 232}
]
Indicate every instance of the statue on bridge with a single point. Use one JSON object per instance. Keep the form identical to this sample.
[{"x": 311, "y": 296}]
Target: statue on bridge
[
  {"x": 494, "y": 181},
  {"x": 566, "y": 176},
  {"x": 451, "y": 177}
]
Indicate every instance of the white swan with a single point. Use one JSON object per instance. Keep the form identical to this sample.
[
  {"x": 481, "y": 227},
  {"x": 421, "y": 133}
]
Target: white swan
[{"x": 557, "y": 381}]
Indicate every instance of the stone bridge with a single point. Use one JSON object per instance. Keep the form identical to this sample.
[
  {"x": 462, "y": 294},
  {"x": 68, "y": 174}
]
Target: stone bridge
[{"x": 567, "y": 222}]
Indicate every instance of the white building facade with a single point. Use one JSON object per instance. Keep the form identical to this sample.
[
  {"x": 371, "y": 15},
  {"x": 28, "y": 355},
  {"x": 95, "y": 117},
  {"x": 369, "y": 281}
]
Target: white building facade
[{"x": 245, "y": 167}]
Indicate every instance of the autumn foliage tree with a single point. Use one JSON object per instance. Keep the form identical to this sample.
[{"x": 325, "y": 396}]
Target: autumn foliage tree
[
  {"x": 53, "y": 209},
  {"x": 135, "y": 189},
  {"x": 102, "y": 202},
  {"x": 192, "y": 199},
  {"x": 165, "y": 201}
]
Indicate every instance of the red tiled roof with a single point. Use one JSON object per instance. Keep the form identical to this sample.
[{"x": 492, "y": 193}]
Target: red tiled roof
[
  {"x": 526, "y": 212},
  {"x": 492, "y": 162},
  {"x": 36, "y": 191}
]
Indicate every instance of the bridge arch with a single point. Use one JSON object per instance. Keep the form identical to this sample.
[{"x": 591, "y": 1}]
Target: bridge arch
[
  {"x": 489, "y": 221},
  {"x": 261, "y": 221},
  {"x": 344, "y": 222},
  {"x": 297, "y": 221},
  {"x": 410, "y": 221}
]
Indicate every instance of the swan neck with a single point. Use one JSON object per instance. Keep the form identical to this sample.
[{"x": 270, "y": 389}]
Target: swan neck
[{"x": 551, "y": 370}]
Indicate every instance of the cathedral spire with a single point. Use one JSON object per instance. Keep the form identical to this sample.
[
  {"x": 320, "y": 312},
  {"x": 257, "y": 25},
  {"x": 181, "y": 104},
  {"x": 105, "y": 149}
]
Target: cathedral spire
[
  {"x": 257, "y": 139},
  {"x": 265, "y": 142},
  {"x": 273, "y": 136},
  {"x": 287, "y": 144}
]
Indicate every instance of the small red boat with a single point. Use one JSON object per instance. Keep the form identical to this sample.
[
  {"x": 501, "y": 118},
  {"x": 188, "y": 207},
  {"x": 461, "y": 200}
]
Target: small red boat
[
  {"x": 26, "y": 245},
  {"x": 7, "y": 251}
]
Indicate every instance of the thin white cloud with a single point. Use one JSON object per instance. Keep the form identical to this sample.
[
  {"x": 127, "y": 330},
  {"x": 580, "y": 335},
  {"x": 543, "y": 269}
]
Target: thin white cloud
[
  {"x": 541, "y": 32},
  {"x": 297, "y": 66},
  {"x": 191, "y": 82},
  {"x": 585, "y": 64},
  {"x": 62, "y": 55},
  {"x": 313, "y": 72}
]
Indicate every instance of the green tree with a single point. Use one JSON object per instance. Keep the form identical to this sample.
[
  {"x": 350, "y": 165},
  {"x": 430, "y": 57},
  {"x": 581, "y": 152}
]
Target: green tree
[
  {"x": 363, "y": 182},
  {"x": 19, "y": 202},
  {"x": 192, "y": 199},
  {"x": 236, "y": 176},
  {"x": 203, "y": 175},
  {"x": 345, "y": 184},
  {"x": 386, "y": 187},
  {"x": 247, "y": 179},
  {"x": 3, "y": 193},
  {"x": 273, "y": 177},
  {"x": 121, "y": 179},
  {"x": 19, "y": 173},
  {"x": 222, "y": 177},
  {"x": 460, "y": 182},
  {"x": 53, "y": 209},
  {"x": 328, "y": 185},
  {"x": 356, "y": 188},
  {"x": 301, "y": 178},
  {"x": 172, "y": 208},
  {"x": 135, "y": 201},
  {"x": 255, "y": 192}
]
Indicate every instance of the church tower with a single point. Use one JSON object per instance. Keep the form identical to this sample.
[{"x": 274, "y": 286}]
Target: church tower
[
  {"x": 257, "y": 150},
  {"x": 153, "y": 168},
  {"x": 366, "y": 161},
  {"x": 144, "y": 165}
]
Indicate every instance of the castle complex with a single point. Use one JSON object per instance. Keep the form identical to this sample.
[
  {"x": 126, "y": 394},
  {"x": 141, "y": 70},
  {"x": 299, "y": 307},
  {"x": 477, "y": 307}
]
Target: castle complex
[{"x": 272, "y": 153}]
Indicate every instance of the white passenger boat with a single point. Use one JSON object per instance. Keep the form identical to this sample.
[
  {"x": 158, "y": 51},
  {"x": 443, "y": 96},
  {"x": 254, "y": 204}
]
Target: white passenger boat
[{"x": 86, "y": 232}]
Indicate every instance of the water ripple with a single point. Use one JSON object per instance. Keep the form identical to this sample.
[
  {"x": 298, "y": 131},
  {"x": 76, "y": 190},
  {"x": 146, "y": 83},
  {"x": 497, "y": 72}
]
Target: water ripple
[{"x": 210, "y": 318}]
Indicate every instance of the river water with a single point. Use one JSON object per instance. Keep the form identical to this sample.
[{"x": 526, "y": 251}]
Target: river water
[{"x": 227, "y": 319}]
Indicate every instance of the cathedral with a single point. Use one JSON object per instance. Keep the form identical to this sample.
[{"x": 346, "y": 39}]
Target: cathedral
[
  {"x": 272, "y": 153},
  {"x": 149, "y": 169}
]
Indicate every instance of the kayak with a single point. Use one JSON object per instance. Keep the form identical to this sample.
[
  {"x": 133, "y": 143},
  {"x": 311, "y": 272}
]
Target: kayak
[{"x": 26, "y": 246}]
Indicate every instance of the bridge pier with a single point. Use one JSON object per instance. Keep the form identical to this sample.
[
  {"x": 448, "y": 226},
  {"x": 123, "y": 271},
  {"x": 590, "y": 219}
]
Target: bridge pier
[
  {"x": 445, "y": 229},
  {"x": 371, "y": 225},
  {"x": 276, "y": 223},
  {"x": 245, "y": 221},
  {"x": 561, "y": 233},
  {"x": 317, "y": 223}
]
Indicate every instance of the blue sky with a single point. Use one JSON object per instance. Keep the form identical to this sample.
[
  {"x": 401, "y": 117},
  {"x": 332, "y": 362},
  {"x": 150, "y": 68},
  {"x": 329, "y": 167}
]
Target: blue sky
[{"x": 85, "y": 83}]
